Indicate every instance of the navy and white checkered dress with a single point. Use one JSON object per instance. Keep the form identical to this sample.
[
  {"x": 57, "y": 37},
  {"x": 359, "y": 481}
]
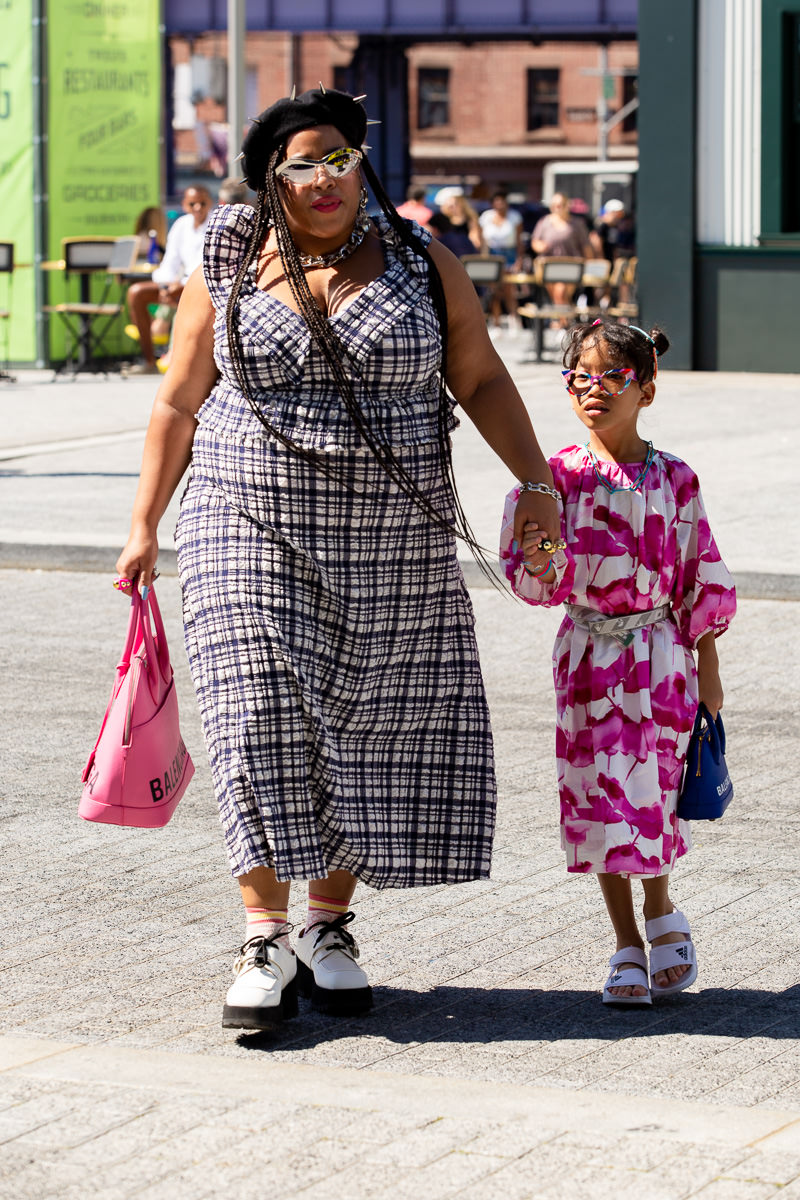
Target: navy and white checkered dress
[{"x": 329, "y": 631}]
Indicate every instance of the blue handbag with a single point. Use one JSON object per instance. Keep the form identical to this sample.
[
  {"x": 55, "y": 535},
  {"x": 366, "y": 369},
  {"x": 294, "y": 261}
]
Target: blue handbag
[{"x": 707, "y": 789}]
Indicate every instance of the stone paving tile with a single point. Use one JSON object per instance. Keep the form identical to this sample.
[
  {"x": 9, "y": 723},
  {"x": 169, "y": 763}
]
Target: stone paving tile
[
  {"x": 771, "y": 1166},
  {"x": 427, "y": 1143},
  {"x": 737, "y": 1189}
]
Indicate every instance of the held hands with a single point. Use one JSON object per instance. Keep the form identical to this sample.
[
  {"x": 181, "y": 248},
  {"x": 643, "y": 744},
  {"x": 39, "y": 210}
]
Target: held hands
[{"x": 536, "y": 519}]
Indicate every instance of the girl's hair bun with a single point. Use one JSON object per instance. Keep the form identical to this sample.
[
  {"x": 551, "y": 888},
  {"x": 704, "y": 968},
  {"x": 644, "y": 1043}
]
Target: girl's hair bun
[{"x": 660, "y": 340}]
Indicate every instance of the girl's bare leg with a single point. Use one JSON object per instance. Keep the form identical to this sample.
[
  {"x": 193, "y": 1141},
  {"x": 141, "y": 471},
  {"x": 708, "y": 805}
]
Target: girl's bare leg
[
  {"x": 617, "y": 894},
  {"x": 657, "y": 904}
]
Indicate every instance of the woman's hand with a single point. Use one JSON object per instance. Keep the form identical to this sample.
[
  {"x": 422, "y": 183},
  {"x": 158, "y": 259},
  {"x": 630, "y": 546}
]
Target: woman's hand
[
  {"x": 137, "y": 562},
  {"x": 535, "y": 519},
  {"x": 709, "y": 685}
]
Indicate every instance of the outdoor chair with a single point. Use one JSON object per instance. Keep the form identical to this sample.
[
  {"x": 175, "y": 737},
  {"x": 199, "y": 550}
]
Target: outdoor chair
[
  {"x": 552, "y": 269},
  {"x": 486, "y": 272},
  {"x": 6, "y": 269},
  {"x": 629, "y": 306},
  {"x": 87, "y": 322}
]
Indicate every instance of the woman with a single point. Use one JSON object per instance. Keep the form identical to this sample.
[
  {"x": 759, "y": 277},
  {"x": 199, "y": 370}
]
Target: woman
[
  {"x": 463, "y": 219},
  {"x": 561, "y": 235},
  {"x": 328, "y": 627},
  {"x": 501, "y": 227}
]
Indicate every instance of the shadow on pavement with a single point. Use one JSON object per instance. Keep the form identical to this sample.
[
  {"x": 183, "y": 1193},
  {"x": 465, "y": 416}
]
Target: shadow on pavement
[{"x": 473, "y": 1015}]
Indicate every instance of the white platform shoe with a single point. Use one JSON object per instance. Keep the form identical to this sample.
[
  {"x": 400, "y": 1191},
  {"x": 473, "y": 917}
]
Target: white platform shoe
[
  {"x": 265, "y": 989},
  {"x": 327, "y": 970}
]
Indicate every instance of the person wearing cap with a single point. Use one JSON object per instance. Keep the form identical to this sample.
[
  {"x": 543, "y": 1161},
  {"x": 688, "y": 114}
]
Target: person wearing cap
[
  {"x": 613, "y": 231},
  {"x": 462, "y": 216},
  {"x": 328, "y": 626}
]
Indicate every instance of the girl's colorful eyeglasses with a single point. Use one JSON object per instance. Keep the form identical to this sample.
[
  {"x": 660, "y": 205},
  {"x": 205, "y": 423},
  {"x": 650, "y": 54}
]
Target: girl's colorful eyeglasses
[
  {"x": 337, "y": 164},
  {"x": 613, "y": 383}
]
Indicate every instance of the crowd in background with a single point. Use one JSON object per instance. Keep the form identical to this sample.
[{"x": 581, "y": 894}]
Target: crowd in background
[
  {"x": 518, "y": 233},
  {"x": 521, "y": 234}
]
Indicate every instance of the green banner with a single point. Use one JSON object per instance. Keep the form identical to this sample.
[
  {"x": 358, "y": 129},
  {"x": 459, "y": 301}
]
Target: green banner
[
  {"x": 104, "y": 115},
  {"x": 16, "y": 180}
]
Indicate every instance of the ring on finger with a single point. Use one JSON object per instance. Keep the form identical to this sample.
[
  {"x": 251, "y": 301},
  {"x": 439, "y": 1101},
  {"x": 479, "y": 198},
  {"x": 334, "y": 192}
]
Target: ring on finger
[{"x": 551, "y": 545}]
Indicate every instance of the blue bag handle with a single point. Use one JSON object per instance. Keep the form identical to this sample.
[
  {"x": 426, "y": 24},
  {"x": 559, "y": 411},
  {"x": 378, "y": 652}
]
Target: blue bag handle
[{"x": 715, "y": 731}]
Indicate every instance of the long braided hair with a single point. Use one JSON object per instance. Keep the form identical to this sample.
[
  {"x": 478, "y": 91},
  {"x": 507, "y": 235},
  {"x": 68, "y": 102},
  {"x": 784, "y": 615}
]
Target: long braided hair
[{"x": 269, "y": 211}]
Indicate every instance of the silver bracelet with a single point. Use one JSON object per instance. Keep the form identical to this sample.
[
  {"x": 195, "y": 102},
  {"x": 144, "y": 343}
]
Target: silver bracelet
[{"x": 539, "y": 487}]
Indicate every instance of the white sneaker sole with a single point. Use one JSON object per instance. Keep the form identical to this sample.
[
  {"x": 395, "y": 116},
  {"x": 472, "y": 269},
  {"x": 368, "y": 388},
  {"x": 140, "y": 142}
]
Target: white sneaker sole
[
  {"x": 346, "y": 1002},
  {"x": 262, "y": 1017}
]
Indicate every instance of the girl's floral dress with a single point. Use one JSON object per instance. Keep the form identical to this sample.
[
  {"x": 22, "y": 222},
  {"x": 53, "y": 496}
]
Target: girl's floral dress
[{"x": 625, "y": 713}]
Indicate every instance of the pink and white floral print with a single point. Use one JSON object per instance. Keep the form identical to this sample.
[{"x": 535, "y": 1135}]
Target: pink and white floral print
[{"x": 625, "y": 713}]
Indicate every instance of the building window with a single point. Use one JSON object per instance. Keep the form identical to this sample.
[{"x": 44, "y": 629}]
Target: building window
[
  {"x": 543, "y": 84},
  {"x": 433, "y": 88},
  {"x": 630, "y": 91}
]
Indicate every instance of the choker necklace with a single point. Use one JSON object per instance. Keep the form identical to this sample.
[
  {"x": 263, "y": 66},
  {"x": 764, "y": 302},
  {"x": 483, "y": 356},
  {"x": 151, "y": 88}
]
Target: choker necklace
[
  {"x": 334, "y": 256},
  {"x": 630, "y": 487}
]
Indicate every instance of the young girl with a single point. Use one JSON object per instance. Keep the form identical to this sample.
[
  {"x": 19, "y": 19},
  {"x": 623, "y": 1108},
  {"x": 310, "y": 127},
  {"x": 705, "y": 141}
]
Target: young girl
[{"x": 644, "y": 586}]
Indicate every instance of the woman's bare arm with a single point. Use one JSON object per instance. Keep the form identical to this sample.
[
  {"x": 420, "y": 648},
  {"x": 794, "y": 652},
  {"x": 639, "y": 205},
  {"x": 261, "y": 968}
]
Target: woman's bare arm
[
  {"x": 483, "y": 387},
  {"x": 170, "y": 433}
]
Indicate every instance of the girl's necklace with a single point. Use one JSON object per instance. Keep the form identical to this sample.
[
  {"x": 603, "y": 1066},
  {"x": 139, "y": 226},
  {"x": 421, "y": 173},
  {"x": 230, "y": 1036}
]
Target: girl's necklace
[{"x": 630, "y": 487}]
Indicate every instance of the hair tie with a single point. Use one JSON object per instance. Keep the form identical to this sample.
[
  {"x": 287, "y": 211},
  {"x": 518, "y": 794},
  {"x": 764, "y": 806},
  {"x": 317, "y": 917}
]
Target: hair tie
[
  {"x": 599, "y": 321},
  {"x": 652, "y": 343},
  {"x": 645, "y": 335}
]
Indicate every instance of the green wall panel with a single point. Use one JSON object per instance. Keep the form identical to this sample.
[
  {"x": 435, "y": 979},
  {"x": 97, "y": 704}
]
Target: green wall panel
[
  {"x": 17, "y": 294},
  {"x": 746, "y": 310},
  {"x": 666, "y": 180},
  {"x": 103, "y": 124}
]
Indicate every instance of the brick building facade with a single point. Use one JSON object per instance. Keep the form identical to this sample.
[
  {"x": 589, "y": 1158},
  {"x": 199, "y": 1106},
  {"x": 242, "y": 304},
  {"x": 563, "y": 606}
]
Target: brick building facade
[{"x": 480, "y": 114}]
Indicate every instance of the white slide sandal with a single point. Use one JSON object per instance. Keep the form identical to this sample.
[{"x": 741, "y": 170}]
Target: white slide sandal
[
  {"x": 632, "y": 976},
  {"x": 673, "y": 954}
]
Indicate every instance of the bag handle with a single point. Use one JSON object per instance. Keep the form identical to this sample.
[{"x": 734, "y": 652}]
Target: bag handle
[
  {"x": 150, "y": 631},
  {"x": 133, "y": 640},
  {"x": 715, "y": 728},
  {"x": 160, "y": 636}
]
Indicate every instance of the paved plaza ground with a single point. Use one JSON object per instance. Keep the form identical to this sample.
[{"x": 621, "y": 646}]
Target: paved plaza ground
[{"x": 489, "y": 1067}]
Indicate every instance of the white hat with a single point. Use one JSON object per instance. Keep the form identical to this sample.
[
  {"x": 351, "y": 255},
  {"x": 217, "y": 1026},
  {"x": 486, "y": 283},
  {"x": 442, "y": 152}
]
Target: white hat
[
  {"x": 613, "y": 206},
  {"x": 447, "y": 193}
]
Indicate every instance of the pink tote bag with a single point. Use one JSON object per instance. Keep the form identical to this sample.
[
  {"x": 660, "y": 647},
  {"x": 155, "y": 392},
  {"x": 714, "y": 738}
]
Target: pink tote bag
[{"x": 140, "y": 767}]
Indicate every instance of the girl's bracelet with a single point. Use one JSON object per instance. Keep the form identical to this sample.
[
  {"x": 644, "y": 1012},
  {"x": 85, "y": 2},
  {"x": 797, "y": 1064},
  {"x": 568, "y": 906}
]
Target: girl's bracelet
[
  {"x": 544, "y": 488},
  {"x": 540, "y": 574}
]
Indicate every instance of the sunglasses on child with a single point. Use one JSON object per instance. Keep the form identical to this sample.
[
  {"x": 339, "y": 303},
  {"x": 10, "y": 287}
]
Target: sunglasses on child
[
  {"x": 337, "y": 164},
  {"x": 613, "y": 382}
]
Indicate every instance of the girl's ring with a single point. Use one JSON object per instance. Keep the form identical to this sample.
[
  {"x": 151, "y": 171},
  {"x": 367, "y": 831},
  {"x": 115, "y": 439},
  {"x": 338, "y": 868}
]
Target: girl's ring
[
  {"x": 550, "y": 547},
  {"x": 121, "y": 582}
]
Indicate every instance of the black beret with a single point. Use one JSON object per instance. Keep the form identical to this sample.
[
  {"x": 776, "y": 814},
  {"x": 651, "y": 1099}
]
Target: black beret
[{"x": 277, "y": 123}]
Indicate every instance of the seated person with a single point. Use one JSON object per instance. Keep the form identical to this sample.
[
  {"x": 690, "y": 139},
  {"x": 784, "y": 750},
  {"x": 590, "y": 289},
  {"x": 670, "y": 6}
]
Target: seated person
[
  {"x": 183, "y": 253},
  {"x": 151, "y": 224}
]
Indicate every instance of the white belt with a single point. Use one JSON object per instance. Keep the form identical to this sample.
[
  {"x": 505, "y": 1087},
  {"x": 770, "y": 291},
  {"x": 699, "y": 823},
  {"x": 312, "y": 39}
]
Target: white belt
[{"x": 620, "y": 627}]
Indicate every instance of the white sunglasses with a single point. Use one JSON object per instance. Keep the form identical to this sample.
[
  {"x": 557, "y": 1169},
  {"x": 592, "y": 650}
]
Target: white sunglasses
[{"x": 337, "y": 164}]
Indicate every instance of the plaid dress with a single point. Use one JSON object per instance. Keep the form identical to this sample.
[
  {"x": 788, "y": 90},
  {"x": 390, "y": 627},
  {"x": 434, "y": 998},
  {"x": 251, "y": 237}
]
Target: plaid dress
[{"x": 329, "y": 630}]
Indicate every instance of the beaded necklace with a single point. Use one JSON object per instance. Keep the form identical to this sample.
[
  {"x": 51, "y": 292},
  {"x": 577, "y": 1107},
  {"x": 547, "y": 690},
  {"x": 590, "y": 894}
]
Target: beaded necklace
[{"x": 630, "y": 487}]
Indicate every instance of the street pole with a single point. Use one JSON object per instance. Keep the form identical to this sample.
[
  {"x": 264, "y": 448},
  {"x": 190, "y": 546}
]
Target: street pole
[
  {"x": 602, "y": 107},
  {"x": 236, "y": 75}
]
